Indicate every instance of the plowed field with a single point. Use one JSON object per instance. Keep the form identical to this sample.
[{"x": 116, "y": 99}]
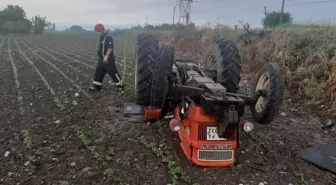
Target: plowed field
[{"x": 53, "y": 131}]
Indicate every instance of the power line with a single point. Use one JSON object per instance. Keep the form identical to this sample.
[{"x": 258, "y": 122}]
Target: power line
[
  {"x": 276, "y": 6},
  {"x": 166, "y": 3},
  {"x": 307, "y": 3},
  {"x": 147, "y": 4},
  {"x": 151, "y": 3},
  {"x": 232, "y": 1},
  {"x": 289, "y": 5}
]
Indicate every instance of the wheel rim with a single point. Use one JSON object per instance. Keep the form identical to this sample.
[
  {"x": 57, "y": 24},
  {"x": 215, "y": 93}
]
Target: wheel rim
[{"x": 263, "y": 84}]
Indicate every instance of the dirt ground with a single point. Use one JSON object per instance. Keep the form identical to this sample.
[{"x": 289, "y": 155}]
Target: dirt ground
[{"x": 54, "y": 132}]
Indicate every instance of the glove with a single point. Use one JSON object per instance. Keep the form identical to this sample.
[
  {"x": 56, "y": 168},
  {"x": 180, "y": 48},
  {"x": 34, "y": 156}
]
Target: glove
[{"x": 106, "y": 59}]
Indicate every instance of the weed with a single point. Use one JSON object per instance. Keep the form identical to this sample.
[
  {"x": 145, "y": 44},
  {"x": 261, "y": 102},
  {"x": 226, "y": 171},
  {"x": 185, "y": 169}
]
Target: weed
[
  {"x": 110, "y": 176},
  {"x": 79, "y": 133},
  {"x": 94, "y": 153},
  {"x": 233, "y": 168},
  {"x": 27, "y": 140},
  {"x": 303, "y": 180},
  {"x": 176, "y": 173},
  {"x": 86, "y": 142}
]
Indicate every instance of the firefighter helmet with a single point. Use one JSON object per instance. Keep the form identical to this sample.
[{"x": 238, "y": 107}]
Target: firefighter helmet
[{"x": 99, "y": 28}]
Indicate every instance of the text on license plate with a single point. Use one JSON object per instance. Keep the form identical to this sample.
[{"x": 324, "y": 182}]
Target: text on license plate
[{"x": 212, "y": 134}]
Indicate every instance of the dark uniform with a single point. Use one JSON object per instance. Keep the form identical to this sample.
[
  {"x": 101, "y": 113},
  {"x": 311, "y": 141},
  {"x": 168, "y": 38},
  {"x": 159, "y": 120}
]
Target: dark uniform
[{"x": 106, "y": 42}]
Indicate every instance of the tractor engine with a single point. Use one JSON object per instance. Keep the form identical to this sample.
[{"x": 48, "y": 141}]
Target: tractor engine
[{"x": 209, "y": 117}]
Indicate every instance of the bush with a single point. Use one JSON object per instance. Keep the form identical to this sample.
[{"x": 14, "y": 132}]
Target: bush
[
  {"x": 13, "y": 20},
  {"x": 306, "y": 53},
  {"x": 273, "y": 19}
]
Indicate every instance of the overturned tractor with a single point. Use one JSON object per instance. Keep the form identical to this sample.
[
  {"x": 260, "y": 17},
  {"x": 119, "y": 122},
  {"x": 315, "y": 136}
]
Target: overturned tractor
[{"x": 202, "y": 104}]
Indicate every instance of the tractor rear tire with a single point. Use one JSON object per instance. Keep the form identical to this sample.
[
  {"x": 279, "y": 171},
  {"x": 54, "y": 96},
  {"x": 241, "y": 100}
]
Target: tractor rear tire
[
  {"x": 225, "y": 55},
  {"x": 270, "y": 78},
  {"x": 162, "y": 76},
  {"x": 148, "y": 50}
]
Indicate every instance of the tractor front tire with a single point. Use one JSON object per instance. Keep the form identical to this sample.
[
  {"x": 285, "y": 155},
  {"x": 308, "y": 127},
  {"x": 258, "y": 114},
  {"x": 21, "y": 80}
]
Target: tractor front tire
[
  {"x": 270, "y": 79},
  {"x": 148, "y": 50},
  {"x": 224, "y": 54},
  {"x": 161, "y": 76}
]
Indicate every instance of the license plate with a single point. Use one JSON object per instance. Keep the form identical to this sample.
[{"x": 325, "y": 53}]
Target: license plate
[{"x": 212, "y": 134}]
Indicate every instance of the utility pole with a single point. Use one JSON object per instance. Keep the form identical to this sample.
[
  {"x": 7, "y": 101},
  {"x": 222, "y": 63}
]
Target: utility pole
[
  {"x": 282, "y": 11},
  {"x": 187, "y": 18},
  {"x": 185, "y": 10},
  {"x": 146, "y": 21},
  {"x": 174, "y": 15},
  {"x": 265, "y": 12}
]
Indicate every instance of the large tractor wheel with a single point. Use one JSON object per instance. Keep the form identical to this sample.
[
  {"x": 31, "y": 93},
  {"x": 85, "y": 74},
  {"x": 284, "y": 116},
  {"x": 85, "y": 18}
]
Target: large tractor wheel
[
  {"x": 161, "y": 76},
  {"x": 224, "y": 58},
  {"x": 269, "y": 90},
  {"x": 148, "y": 50}
]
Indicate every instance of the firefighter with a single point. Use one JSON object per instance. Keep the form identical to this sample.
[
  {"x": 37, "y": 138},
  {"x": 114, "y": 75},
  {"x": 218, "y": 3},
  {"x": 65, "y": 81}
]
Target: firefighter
[{"x": 106, "y": 62}]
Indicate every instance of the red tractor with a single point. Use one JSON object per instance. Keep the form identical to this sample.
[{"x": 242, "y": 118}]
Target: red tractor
[{"x": 203, "y": 104}]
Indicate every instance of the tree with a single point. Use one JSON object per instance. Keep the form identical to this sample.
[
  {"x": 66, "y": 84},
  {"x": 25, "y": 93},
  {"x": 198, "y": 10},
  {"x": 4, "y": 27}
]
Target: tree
[
  {"x": 137, "y": 27},
  {"x": 119, "y": 31},
  {"x": 76, "y": 28},
  {"x": 273, "y": 19},
  {"x": 13, "y": 13},
  {"x": 149, "y": 26},
  {"x": 39, "y": 23},
  {"x": 13, "y": 20}
]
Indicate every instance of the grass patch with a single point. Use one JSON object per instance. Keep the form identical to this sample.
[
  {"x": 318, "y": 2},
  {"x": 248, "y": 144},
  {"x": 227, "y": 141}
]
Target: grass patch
[
  {"x": 86, "y": 142},
  {"x": 176, "y": 173}
]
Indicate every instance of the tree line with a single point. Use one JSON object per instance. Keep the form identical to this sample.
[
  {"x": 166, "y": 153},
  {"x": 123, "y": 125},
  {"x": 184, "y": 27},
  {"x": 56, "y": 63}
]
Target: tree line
[
  {"x": 13, "y": 19},
  {"x": 271, "y": 20},
  {"x": 164, "y": 26}
]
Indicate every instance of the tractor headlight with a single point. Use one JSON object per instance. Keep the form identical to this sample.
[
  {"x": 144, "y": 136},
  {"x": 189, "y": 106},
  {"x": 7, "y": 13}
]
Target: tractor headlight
[
  {"x": 248, "y": 126},
  {"x": 175, "y": 125}
]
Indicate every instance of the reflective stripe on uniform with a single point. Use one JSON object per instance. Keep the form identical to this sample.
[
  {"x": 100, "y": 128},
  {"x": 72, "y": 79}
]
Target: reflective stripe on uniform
[
  {"x": 97, "y": 83},
  {"x": 117, "y": 76}
]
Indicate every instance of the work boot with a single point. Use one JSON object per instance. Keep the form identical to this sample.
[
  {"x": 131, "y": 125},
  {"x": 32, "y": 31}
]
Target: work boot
[
  {"x": 95, "y": 88},
  {"x": 120, "y": 88}
]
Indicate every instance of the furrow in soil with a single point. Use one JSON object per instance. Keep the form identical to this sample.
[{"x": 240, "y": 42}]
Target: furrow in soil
[
  {"x": 55, "y": 96},
  {"x": 66, "y": 77},
  {"x": 58, "y": 52}
]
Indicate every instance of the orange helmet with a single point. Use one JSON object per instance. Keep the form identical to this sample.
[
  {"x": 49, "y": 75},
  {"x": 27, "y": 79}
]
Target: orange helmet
[{"x": 99, "y": 28}]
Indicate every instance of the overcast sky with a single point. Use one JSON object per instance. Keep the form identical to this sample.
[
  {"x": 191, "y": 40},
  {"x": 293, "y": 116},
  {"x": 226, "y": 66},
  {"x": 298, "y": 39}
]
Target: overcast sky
[{"x": 121, "y": 12}]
